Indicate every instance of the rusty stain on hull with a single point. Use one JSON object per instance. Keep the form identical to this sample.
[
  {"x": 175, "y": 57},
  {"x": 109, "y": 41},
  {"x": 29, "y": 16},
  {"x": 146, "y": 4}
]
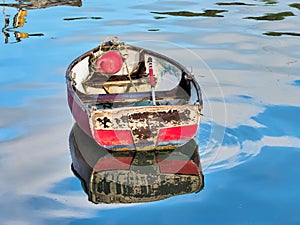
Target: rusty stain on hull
[{"x": 166, "y": 116}]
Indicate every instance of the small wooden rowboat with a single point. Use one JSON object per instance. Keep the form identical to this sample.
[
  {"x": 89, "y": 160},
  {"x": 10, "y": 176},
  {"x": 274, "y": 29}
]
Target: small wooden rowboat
[
  {"x": 134, "y": 176},
  {"x": 130, "y": 98}
]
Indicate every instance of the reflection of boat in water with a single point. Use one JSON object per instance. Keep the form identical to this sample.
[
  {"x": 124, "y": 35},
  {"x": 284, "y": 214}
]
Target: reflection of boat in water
[
  {"x": 134, "y": 176},
  {"x": 19, "y": 18},
  {"x": 127, "y": 97}
]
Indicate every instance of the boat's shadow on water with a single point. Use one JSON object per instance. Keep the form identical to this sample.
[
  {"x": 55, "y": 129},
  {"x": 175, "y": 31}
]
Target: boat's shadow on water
[{"x": 134, "y": 176}]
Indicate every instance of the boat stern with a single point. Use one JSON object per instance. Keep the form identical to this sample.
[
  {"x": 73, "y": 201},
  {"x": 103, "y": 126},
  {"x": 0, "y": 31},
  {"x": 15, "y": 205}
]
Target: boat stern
[{"x": 145, "y": 128}]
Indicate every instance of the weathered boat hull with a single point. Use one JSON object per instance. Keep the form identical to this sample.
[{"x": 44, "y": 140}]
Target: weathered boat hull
[
  {"x": 126, "y": 120},
  {"x": 131, "y": 177}
]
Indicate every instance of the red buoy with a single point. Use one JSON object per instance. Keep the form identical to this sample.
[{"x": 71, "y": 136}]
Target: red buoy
[{"x": 109, "y": 63}]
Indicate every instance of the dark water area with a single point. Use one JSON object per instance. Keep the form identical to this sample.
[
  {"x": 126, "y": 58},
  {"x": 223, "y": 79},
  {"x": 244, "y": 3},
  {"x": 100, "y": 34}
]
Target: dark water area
[{"x": 245, "y": 56}]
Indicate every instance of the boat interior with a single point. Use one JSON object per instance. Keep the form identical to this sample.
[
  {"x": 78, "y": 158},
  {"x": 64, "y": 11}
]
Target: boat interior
[{"x": 131, "y": 84}]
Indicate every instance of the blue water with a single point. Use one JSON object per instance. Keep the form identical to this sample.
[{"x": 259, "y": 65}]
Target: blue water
[{"x": 246, "y": 58}]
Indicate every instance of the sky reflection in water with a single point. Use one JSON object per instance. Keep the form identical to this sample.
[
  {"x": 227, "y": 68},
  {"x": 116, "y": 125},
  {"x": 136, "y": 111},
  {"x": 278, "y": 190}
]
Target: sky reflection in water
[{"x": 247, "y": 63}]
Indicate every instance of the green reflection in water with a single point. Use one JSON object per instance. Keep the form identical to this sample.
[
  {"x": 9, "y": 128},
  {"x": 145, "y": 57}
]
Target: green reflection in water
[
  {"x": 295, "y": 5},
  {"x": 153, "y": 30},
  {"x": 273, "y": 33},
  {"x": 234, "y": 3},
  {"x": 84, "y": 18},
  {"x": 272, "y": 16},
  {"x": 159, "y": 17},
  {"x": 206, "y": 13},
  {"x": 269, "y": 2}
]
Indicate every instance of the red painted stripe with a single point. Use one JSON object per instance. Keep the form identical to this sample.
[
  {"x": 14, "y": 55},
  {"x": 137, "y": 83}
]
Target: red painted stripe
[
  {"x": 177, "y": 133},
  {"x": 113, "y": 137}
]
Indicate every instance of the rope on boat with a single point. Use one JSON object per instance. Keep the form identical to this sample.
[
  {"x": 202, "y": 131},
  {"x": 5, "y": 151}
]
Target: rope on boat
[{"x": 115, "y": 45}]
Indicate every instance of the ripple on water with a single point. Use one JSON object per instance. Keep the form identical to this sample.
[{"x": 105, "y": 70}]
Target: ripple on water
[
  {"x": 275, "y": 128},
  {"x": 235, "y": 147}
]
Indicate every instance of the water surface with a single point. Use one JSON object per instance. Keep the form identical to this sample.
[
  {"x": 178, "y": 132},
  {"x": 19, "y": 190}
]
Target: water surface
[{"x": 246, "y": 57}]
